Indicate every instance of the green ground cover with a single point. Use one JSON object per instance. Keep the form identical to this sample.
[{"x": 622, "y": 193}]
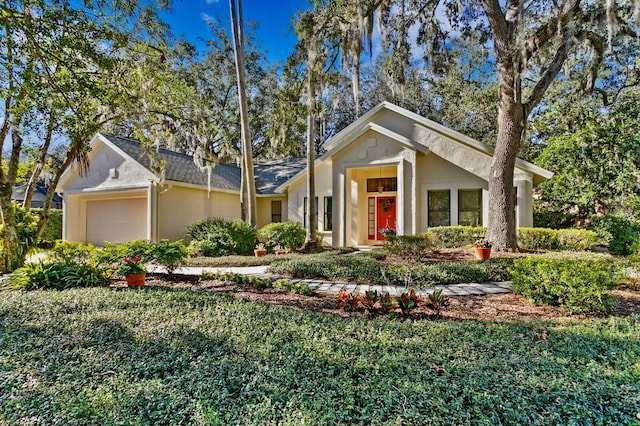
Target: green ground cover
[{"x": 169, "y": 356}]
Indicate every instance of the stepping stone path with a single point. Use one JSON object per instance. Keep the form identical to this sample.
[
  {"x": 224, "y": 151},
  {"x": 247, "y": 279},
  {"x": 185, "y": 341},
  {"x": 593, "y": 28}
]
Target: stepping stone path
[{"x": 462, "y": 289}]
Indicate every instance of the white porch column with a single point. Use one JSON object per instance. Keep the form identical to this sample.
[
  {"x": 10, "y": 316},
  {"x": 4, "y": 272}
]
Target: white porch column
[
  {"x": 152, "y": 212},
  {"x": 524, "y": 204}
]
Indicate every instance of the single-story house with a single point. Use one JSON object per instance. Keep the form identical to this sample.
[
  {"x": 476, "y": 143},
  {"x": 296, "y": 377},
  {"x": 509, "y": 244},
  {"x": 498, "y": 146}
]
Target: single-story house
[{"x": 389, "y": 168}]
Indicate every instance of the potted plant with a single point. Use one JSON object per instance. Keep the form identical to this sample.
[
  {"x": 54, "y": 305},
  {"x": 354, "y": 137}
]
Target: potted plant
[
  {"x": 483, "y": 249},
  {"x": 260, "y": 251},
  {"x": 387, "y": 231},
  {"x": 134, "y": 272}
]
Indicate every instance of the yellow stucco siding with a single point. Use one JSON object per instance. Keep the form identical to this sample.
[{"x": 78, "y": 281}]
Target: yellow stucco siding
[
  {"x": 265, "y": 211},
  {"x": 179, "y": 207}
]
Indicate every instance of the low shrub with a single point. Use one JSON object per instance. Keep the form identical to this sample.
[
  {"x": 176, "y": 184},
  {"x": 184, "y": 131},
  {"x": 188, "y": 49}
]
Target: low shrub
[
  {"x": 618, "y": 232},
  {"x": 578, "y": 284},
  {"x": 55, "y": 276},
  {"x": 169, "y": 254},
  {"x": 556, "y": 239},
  {"x": 288, "y": 235},
  {"x": 412, "y": 248},
  {"x": 364, "y": 268},
  {"x": 374, "y": 303},
  {"x": 456, "y": 236},
  {"x": 348, "y": 268},
  {"x": 294, "y": 287},
  {"x": 537, "y": 238},
  {"x": 221, "y": 237},
  {"x": 576, "y": 239}
]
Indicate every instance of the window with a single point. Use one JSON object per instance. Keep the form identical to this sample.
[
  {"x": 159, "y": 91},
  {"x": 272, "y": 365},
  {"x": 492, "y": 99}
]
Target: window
[
  {"x": 470, "y": 207},
  {"x": 305, "y": 212},
  {"x": 386, "y": 184},
  {"x": 328, "y": 216},
  {"x": 371, "y": 218},
  {"x": 276, "y": 211},
  {"x": 439, "y": 208}
]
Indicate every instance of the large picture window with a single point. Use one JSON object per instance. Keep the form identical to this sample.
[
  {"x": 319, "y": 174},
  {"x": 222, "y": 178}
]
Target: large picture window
[
  {"x": 328, "y": 217},
  {"x": 305, "y": 211},
  {"x": 439, "y": 208},
  {"x": 470, "y": 207}
]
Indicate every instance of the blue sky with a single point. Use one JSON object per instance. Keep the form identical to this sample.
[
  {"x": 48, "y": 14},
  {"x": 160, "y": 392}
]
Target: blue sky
[{"x": 187, "y": 20}]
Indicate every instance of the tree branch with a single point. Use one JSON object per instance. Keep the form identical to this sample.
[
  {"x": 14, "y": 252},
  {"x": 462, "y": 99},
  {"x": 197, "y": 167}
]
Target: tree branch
[
  {"x": 547, "y": 31},
  {"x": 549, "y": 75}
]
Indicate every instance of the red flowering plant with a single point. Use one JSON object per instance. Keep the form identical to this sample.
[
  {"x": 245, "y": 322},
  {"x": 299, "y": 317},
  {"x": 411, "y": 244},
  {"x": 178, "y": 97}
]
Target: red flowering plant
[{"x": 131, "y": 266}]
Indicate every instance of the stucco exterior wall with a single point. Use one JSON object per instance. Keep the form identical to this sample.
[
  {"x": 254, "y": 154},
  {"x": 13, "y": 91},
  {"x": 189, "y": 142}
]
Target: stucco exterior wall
[
  {"x": 435, "y": 173},
  {"x": 179, "y": 207},
  {"x": 295, "y": 201},
  {"x": 264, "y": 210},
  {"x": 109, "y": 170}
]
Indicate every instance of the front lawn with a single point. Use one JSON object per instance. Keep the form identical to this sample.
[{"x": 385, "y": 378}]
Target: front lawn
[{"x": 175, "y": 356}]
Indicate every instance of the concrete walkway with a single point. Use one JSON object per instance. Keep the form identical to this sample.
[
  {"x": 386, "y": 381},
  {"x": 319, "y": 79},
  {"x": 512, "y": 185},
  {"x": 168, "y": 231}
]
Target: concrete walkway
[{"x": 463, "y": 289}]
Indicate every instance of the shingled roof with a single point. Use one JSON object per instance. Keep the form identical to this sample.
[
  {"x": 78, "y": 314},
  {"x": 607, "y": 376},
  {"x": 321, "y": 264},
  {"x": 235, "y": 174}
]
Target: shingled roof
[{"x": 181, "y": 168}]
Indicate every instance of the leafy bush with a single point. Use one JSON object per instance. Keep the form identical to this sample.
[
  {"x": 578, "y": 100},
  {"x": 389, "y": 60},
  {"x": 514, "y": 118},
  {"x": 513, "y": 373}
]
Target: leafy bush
[
  {"x": 456, "y": 236},
  {"x": 619, "y": 232},
  {"x": 294, "y": 287},
  {"x": 26, "y": 228},
  {"x": 53, "y": 230},
  {"x": 537, "y": 238},
  {"x": 413, "y": 248},
  {"x": 576, "y": 239},
  {"x": 556, "y": 239},
  {"x": 577, "y": 284},
  {"x": 221, "y": 237},
  {"x": 56, "y": 276},
  {"x": 169, "y": 254},
  {"x": 349, "y": 268},
  {"x": 289, "y": 235}
]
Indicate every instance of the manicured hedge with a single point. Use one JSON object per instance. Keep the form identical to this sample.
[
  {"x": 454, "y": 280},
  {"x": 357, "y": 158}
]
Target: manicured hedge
[
  {"x": 456, "y": 236},
  {"x": 556, "y": 239},
  {"x": 577, "y": 283},
  {"x": 528, "y": 238}
]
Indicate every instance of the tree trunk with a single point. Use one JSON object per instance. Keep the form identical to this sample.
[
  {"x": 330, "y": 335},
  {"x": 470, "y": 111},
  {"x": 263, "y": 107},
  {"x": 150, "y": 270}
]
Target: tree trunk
[
  {"x": 311, "y": 241},
  {"x": 12, "y": 255},
  {"x": 249, "y": 186},
  {"x": 501, "y": 229}
]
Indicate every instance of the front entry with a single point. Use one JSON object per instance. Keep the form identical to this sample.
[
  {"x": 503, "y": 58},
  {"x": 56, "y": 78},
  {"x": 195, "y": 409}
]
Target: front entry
[{"x": 381, "y": 214}]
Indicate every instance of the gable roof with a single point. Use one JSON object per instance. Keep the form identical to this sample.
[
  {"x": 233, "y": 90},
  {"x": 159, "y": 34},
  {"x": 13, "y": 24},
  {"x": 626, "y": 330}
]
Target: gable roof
[
  {"x": 181, "y": 168},
  {"x": 366, "y": 122}
]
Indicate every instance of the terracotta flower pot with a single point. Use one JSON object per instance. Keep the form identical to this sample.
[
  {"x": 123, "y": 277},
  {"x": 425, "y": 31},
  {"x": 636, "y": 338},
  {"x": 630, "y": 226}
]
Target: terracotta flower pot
[
  {"x": 260, "y": 252},
  {"x": 483, "y": 253},
  {"x": 135, "y": 280}
]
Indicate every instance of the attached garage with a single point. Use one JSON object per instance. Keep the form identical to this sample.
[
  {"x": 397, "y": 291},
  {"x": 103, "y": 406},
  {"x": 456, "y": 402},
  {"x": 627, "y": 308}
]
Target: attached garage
[{"x": 116, "y": 220}]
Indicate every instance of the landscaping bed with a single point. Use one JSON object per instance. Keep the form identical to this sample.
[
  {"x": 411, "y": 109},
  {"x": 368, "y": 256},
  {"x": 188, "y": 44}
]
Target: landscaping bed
[{"x": 496, "y": 307}]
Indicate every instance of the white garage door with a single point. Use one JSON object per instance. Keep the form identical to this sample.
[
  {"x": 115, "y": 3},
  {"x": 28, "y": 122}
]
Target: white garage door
[{"x": 116, "y": 221}]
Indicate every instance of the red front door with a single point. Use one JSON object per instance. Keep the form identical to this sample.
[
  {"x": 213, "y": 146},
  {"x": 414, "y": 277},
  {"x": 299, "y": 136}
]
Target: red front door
[{"x": 385, "y": 214}]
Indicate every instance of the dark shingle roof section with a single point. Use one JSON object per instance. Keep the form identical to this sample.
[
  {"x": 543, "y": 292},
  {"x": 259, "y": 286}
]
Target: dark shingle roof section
[
  {"x": 181, "y": 168},
  {"x": 271, "y": 174}
]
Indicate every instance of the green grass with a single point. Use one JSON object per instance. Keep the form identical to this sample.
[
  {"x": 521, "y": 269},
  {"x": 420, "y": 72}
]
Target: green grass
[{"x": 167, "y": 356}]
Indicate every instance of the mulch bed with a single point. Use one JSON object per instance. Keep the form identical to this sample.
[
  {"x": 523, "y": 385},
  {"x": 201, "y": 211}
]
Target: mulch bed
[{"x": 495, "y": 307}]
